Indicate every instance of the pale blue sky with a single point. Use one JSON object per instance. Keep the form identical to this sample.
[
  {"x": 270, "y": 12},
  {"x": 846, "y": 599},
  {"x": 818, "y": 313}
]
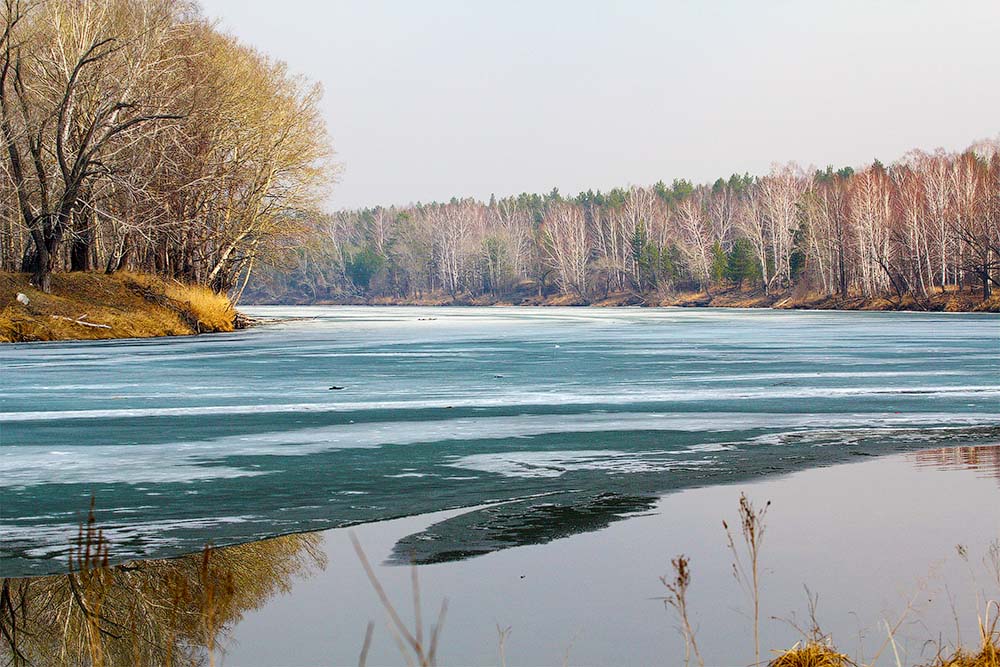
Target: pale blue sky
[{"x": 426, "y": 100}]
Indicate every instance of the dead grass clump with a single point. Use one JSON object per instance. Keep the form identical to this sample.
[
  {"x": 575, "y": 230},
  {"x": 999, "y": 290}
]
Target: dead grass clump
[
  {"x": 991, "y": 305},
  {"x": 989, "y": 631},
  {"x": 210, "y": 311},
  {"x": 812, "y": 654},
  {"x": 988, "y": 656}
]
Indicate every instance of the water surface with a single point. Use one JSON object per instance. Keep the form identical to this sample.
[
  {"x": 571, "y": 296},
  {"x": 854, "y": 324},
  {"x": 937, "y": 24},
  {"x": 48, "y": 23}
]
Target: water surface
[{"x": 874, "y": 540}]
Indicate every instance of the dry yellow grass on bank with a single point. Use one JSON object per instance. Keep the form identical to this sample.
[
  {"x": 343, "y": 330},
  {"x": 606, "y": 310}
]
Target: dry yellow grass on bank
[
  {"x": 812, "y": 654},
  {"x": 90, "y": 306}
]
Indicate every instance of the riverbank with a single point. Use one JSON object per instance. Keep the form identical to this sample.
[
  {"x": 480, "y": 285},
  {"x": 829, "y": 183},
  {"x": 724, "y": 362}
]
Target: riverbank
[
  {"x": 952, "y": 301},
  {"x": 91, "y": 306}
]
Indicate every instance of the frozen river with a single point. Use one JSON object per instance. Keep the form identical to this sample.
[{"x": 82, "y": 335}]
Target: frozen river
[{"x": 357, "y": 414}]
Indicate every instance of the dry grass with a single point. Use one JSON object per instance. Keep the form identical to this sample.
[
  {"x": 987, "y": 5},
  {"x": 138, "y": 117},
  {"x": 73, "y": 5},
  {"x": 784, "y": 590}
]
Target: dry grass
[
  {"x": 812, "y": 654},
  {"x": 817, "y": 649},
  {"x": 991, "y": 305},
  {"x": 210, "y": 311},
  {"x": 988, "y": 656},
  {"x": 87, "y": 306}
]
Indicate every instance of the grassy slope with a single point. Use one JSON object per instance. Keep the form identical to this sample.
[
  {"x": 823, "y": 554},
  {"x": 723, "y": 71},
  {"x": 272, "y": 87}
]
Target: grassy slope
[{"x": 132, "y": 305}]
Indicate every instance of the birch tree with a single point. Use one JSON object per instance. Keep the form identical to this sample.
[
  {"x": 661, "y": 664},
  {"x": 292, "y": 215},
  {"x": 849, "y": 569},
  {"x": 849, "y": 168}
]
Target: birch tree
[{"x": 567, "y": 247}]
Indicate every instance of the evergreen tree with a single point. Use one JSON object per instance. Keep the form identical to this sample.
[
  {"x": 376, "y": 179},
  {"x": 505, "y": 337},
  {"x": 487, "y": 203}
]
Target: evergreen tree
[
  {"x": 720, "y": 263},
  {"x": 741, "y": 264},
  {"x": 362, "y": 266}
]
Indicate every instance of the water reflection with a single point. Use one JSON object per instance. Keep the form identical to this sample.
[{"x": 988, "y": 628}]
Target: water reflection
[
  {"x": 169, "y": 612},
  {"x": 555, "y": 516},
  {"x": 985, "y": 458},
  {"x": 515, "y": 524},
  {"x": 175, "y": 612}
]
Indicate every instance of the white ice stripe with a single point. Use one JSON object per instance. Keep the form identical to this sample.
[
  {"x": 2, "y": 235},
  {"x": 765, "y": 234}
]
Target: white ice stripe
[
  {"x": 825, "y": 437},
  {"x": 807, "y": 375},
  {"x": 109, "y": 465},
  {"x": 558, "y": 463},
  {"x": 28, "y": 465},
  {"x": 628, "y": 395},
  {"x": 125, "y": 537}
]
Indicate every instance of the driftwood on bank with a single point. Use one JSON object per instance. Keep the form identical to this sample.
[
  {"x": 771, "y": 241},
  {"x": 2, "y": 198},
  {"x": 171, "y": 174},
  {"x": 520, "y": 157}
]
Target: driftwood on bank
[
  {"x": 244, "y": 321},
  {"x": 81, "y": 322}
]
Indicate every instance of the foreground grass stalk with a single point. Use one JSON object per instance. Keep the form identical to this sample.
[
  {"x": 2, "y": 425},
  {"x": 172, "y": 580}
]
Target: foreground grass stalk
[
  {"x": 411, "y": 644},
  {"x": 366, "y": 645},
  {"x": 677, "y": 598},
  {"x": 502, "y": 635},
  {"x": 752, "y": 529}
]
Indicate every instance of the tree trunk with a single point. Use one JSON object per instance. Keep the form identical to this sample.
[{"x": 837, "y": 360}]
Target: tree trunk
[
  {"x": 81, "y": 250},
  {"x": 842, "y": 271},
  {"x": 41, "y": 274}
]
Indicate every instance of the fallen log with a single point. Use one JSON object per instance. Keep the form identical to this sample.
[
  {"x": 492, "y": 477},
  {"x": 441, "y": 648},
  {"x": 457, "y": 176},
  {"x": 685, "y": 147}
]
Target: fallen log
[{"x": 80, "y": 321}]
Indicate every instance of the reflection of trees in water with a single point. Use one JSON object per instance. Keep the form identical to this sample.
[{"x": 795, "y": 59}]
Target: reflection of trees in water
[
  {"x": 163, "y": 612},
  {"x": 980, "y": 457}
]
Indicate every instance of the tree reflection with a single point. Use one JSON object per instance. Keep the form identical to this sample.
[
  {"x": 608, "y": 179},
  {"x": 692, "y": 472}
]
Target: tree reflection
[
  {"x": 156, "y": 612},
  {"x": 980, "y": 457}
]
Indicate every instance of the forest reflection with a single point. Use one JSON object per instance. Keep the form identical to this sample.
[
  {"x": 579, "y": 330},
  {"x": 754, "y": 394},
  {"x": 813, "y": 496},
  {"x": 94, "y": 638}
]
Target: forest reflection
[
  {"x": 156, "y": 612},
  {"x": 985, "y": 458}
]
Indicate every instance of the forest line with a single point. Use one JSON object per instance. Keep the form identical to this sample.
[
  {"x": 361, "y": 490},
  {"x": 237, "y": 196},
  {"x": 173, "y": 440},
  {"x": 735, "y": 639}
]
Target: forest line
[
  {"x": 139, "y": 137},
  {"x": 929, "y": 222}
]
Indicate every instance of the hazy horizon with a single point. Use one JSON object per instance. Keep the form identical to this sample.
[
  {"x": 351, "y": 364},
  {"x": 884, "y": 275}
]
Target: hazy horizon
[{"x": 427, "y": 102}]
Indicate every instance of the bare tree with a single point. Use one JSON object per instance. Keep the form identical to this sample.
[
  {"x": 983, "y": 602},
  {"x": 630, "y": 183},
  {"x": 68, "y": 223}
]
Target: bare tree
[
  {"x": 567, "y": 246},
  {"x": 780, "y": 194},
  {"x": 75, "y": 95},
  {"x": 697, "y": 237}
]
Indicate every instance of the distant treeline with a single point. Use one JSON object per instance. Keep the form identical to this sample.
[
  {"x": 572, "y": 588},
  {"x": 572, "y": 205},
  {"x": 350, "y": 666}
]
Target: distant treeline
[
  {"x": 136, "y": 135},
  {"x": 925, "y": 223}
]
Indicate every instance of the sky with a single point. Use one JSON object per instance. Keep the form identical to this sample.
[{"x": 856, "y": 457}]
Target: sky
[{"x": 440, "y": 98}]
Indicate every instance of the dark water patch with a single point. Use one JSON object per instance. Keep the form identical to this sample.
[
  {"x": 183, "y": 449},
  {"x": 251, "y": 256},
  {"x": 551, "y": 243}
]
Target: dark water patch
[{"x": 515, "y": 524}]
